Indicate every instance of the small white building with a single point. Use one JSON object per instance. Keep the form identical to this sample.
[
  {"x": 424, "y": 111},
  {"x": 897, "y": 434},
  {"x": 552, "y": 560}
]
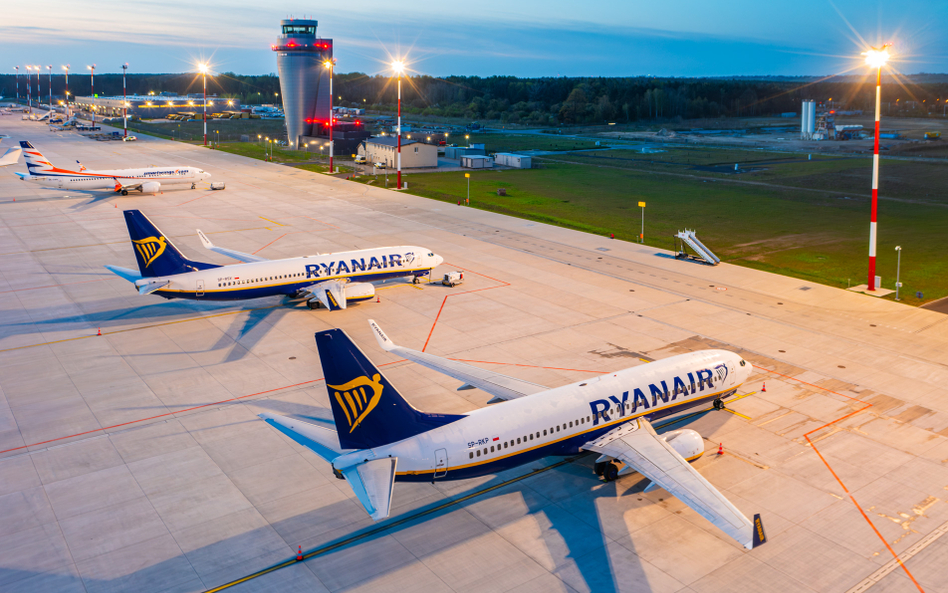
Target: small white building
[
  {"x": 518, "y": 161},
  {"x": 415, "y": 155},
  {"x": 477, "y": 161}
]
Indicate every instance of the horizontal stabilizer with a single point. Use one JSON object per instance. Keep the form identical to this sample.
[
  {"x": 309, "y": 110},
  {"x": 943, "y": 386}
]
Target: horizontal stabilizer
[
  {"x": 321, "y": 441},
  {"x": 239, "y": 256},
  {"x": 148, "y": 285},
  {"x": 130, "y": 275},
  {"x": 372, "y": 483}
]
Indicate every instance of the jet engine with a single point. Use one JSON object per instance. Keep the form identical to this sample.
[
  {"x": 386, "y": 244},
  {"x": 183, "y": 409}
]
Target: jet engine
[
  {"x": 686, "y": 442},
  {"x": 359, "y": 291},
  {"x": 151, "y": 187}
]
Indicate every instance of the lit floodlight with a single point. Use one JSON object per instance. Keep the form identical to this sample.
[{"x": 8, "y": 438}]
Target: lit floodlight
[
  {"x": 877, "y": 57},
  {"x": 398, "y": 66},
  {"x": 202, "y": 68}
]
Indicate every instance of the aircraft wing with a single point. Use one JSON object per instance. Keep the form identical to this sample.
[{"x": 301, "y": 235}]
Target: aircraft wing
[
  {"x": 10, "y": 157},
  {"x": 330, "y": 294},
  {"x": 637, "y": 445},
  {"x": 500, "y": 386},
  {"x": 239, "y": 256}
]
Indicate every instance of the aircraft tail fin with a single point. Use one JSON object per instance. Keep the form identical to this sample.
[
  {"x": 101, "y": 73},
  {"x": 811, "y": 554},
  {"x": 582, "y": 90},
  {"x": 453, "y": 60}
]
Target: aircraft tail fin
[
  {"x": 368, "y": 410},
  {"x": 155, "y": 253},
  {"x": 36, "y": 163}
]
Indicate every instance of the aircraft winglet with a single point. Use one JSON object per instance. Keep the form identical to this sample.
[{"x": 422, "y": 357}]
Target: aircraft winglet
[{"x": 383, "y": 340}]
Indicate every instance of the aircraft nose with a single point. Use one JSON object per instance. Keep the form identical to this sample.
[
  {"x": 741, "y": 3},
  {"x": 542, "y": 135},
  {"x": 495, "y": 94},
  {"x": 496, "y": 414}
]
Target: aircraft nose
[
  {"x": 206, "y": 175},
  {"x": 438, "y": 260}
]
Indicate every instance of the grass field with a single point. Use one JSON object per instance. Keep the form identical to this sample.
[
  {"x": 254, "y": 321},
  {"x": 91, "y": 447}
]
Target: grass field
[
  {"x": 515, "y": 142},
  {"x": 226, "y": 130},
  {"x": 806, "y": 219}
]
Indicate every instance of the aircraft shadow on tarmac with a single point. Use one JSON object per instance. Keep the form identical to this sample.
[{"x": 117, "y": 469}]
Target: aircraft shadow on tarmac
[
  {"x": 565, "y": 503},
  {"x": 244, "y": 333}
]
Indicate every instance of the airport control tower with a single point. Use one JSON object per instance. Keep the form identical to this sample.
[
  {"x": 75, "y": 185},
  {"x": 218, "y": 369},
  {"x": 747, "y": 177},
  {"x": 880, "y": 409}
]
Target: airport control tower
[{"x": 304, "y": 81}]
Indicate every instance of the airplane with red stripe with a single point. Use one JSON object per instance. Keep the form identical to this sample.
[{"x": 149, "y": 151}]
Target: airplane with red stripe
[{"x": 147, "y": 180}]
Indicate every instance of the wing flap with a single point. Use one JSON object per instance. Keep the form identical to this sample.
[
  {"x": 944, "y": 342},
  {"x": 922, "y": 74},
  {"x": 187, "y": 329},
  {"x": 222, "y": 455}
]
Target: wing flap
[
  {"x": 500, "y": 386},
  {"x": 238, "y": 255},
  {"x": 637, "y": 445}
]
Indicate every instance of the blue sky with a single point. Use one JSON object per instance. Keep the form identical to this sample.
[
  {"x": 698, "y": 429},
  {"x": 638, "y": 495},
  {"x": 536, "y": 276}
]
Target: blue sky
[{"x": 525, "y": 38}]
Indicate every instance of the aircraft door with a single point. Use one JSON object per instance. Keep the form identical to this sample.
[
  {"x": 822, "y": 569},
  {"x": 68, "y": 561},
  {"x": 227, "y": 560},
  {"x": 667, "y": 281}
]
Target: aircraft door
[
  {"x": 199, "y": 289},
  {"x": 441, "y": 463}
]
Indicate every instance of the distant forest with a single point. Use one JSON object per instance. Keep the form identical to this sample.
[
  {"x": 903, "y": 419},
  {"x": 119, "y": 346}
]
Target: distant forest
[{"x": 547, "y": 101}]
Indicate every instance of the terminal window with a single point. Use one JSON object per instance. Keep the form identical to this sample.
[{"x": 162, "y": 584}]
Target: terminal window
[{"x": 299, "y": 30}]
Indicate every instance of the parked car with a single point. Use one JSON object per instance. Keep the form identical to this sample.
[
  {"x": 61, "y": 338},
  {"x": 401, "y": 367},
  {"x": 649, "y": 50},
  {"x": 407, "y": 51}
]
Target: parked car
[
  {"x": 361, "y": 160},
  {"x": 130, "y": 138},
  {"x": 379, "y": 165}
]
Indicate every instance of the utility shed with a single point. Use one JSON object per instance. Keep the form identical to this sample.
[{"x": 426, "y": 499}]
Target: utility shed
[
  {"x": 477, "y": 162},
  {"x": 414, "y": 154},
  {"x": 508, "y": 159}
]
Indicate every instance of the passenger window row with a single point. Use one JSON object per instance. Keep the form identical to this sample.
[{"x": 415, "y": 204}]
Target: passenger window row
[
  {"x": 523, "y": 440},
  {"x": 221, "y": 284}
]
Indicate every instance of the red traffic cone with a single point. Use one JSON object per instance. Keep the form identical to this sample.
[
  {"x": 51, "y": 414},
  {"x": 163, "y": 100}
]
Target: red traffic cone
[
  {"x": 378, "y": 299},
  {"x": 299, "y": 554},
  {"x": 763, "y": 388},
  {"x": 720, "y": 448},
  {"x": 99, "y": 332}
]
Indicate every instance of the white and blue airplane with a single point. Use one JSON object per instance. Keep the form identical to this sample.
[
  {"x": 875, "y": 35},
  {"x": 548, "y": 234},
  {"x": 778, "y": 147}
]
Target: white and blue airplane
[
  {"x": 148, "y": 180},
  {"x": 330, "y": 279},
  {"x": 381, "y": 439}
]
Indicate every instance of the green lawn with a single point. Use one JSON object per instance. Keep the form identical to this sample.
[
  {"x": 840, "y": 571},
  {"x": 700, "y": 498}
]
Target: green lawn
[
  {"x": 515, "y": 142},
  {"x": 819, "y": 236}
]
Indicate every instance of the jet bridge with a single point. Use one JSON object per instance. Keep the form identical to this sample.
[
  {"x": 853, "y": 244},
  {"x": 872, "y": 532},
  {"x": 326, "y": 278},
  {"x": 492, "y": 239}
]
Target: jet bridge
[{"x": 689, "y": 238}]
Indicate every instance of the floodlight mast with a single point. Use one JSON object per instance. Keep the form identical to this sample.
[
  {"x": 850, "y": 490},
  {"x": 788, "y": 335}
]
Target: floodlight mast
[
  {"x": 124, "y": 100},
  {"x": 331, "y": 66},
  {"x": 203, "y": 68},
  {"x": 875, "y": 57},
  {"x": 398, "y": 66}
]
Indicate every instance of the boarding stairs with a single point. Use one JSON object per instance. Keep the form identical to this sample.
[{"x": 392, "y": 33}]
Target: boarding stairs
[{"x": 689, "y": 238}]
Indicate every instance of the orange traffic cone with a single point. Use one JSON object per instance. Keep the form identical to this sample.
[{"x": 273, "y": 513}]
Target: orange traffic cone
[
  {"x": 99, "y": 332},
  {"x": 378, "y": 299},
  {"x": 720, "y": 448},
  {"x": 763, "y": 388},
  {"x": 299, "y": 554}
]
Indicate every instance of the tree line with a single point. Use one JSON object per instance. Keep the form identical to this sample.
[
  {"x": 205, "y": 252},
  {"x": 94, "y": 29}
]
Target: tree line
[{"x": 543, "y": 101}]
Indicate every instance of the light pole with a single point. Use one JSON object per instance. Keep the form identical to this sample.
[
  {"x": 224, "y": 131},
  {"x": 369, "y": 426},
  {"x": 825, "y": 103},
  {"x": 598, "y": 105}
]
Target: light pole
[
  {"x": 203, "y": 69},
  {"x": 49, "y": 69},
  {"x": 877, "y": 59},
  {"x": 468, "y": 176},
  {"x": 17, "y": 68},
  {"x": 92, "y": 91},
  {"x": 29, "y": 89},
  {"x": 642, "y": 236},
  {"x": 66, "y": 68},
  {"x": 468, "y": 138},
  {"x": 331, "y": 66},
  {"x": 124, "y": 99},
  {"x": 898, "y": 269},
  {"x": 398, "y": 67}
]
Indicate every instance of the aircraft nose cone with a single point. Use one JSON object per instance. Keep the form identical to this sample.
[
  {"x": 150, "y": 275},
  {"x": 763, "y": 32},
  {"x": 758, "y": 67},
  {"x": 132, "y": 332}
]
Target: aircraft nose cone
[{"x": 438, "y": 260}]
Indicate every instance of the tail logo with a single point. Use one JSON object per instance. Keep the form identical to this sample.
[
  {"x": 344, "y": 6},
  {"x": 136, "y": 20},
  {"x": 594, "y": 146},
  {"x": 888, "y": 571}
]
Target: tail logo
[
  {"x": 354, "y": 401},
  {"x": 150, "y": 248}
]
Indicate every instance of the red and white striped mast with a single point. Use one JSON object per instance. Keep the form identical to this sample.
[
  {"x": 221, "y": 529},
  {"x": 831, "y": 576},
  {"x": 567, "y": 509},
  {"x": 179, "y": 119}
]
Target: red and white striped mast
[
  {"x": 124, "y": 100},
  {"x": 398, "y": 66},
  {"x": 877, "y": 59}
]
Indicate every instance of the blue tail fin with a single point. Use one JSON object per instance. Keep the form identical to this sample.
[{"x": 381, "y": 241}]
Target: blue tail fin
[
  {"x": 368, "y": 410},
  {"x": 155, "y": 253}
]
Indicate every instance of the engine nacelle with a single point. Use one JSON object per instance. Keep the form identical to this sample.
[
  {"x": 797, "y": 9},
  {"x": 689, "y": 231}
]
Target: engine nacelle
[
  {"x": 359, "y": 291},
  {"x": 151, "y": 187},
  {"x": 686, "y": 442}
]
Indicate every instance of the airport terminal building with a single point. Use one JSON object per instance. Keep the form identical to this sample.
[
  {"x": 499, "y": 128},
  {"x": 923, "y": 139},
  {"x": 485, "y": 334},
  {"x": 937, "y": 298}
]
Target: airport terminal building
[{"x": 154, "y": 106}]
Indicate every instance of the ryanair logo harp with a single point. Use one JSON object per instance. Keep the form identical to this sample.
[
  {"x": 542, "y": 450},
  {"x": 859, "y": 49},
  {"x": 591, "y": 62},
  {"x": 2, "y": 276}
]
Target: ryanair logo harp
[
  {"x": 150, "y": 248},
  {"x": 355, "y": 401}
]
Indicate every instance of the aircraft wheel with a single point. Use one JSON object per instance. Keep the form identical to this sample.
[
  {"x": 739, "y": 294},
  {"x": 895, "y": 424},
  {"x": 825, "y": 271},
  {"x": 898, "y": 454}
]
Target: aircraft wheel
[
  {"x": 416, "y": 280},
  {"x": 718, "y": 404},
  {"x": 124, "y": 192},
  {"x": 599, "y": 468},
  {"x": 312, "y": 304},
  {"x": 193, "y": 186},
  {"x": 611, "y": 472}
]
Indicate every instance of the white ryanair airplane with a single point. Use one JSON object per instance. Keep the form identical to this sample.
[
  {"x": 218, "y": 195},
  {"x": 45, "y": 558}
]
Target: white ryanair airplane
[
  {"x": 381, "y": 439},
  {"x": 330, "y": 279},
  {"x": 148, "y": 180}
]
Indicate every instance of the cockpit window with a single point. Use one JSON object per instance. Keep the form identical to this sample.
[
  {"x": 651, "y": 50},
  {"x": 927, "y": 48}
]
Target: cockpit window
[
  {"x": 743, "y": 362},
  {"x": 430, "y": 254}
]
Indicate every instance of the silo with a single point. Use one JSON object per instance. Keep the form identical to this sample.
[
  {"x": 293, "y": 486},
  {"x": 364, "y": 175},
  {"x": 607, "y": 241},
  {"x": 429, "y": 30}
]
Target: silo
[
  {"x": 304, "y": 80},
  {"x": 811, "y": 120},
  {"x": 804, "y": 120}
]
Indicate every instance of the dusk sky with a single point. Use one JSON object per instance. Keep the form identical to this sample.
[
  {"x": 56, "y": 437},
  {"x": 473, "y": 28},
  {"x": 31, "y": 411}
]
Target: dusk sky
[{"x": 525, "y": 38}]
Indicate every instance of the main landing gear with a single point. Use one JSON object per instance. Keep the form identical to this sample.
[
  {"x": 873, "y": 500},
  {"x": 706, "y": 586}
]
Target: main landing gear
[
  {"x": 607, "y": 470},
  {"x": 718, "y": 404},
  {"x": 124, "y": 192},
  {"x": 193, "y": 186}
]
